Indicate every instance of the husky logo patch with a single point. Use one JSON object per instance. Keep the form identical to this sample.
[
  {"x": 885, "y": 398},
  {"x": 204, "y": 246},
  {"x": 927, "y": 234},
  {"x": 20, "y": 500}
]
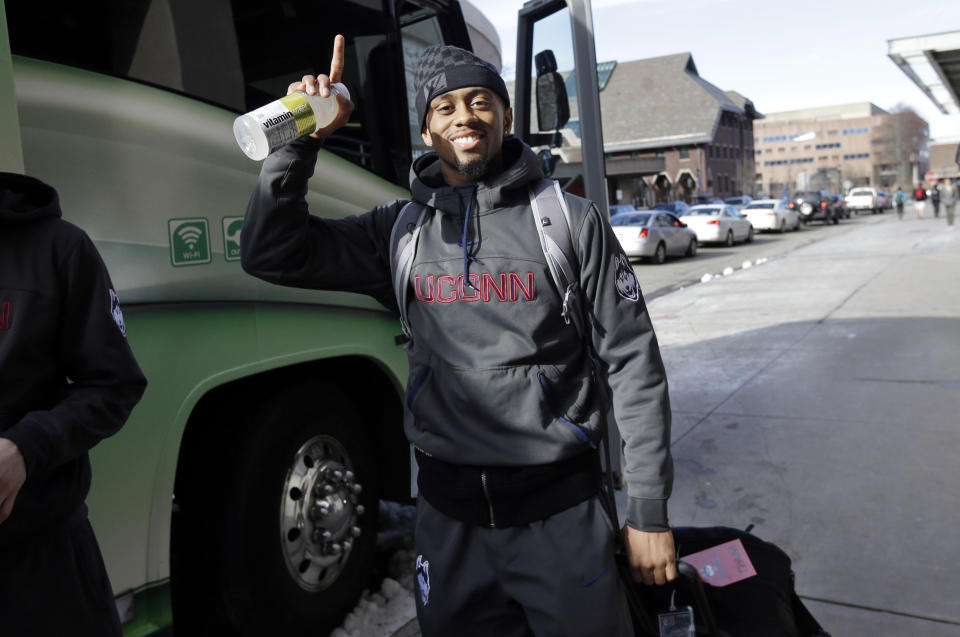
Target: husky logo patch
[
  {"x": 423, "y": 579},
  {"x": 627, "y": 286},
  {"x": 117, "y": 314}
]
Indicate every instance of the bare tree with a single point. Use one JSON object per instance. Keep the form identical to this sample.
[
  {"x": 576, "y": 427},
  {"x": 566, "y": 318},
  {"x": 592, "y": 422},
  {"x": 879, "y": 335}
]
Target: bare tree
[{"x": 903, "y": 145}]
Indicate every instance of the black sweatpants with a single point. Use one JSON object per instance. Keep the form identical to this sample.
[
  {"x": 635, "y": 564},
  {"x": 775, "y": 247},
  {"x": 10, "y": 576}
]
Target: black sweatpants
[
  {"x": 552, "y": 578},
  {"x": 57, "y": 585}
]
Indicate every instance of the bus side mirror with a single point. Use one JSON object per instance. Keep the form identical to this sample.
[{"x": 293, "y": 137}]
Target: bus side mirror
[{"x": 553, "y": 107}]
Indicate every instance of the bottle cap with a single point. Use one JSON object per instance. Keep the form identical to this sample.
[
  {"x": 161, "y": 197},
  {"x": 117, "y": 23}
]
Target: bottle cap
[{"x": 341, "y": 89}]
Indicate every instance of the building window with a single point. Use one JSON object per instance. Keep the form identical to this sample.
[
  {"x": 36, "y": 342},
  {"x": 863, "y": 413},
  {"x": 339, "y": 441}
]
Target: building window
[
  {"x": 831, "y": 132},
  {"x": 684, "y": 153},
  {"x": 857, "y": 156},
  {"x": 710, "y": 151},
  {"x": 856, "y": 131},
  {"x": 658, "y": 154}
]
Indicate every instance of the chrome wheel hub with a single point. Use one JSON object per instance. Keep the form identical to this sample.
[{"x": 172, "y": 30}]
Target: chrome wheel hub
[{"x": 319, "y": 513}]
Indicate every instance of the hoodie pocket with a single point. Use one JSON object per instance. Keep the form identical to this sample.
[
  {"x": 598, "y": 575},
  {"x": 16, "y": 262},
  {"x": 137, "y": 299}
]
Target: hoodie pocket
[
  {"x": 418, "y": 380},
  {"x": 560, "y": 415}
]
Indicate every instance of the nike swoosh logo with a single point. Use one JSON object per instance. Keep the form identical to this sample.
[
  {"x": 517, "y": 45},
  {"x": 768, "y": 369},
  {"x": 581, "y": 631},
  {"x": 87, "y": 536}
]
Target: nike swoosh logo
[{"x": 588, "y": 582}]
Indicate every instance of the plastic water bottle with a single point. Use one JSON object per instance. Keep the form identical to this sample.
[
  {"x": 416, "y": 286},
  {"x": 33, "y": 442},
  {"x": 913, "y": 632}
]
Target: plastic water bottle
[{"x": 266, "y": 129}]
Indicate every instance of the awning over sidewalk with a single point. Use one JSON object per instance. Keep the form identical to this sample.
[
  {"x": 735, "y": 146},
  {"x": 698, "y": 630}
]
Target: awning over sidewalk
[{"x": 933, "y": 63}]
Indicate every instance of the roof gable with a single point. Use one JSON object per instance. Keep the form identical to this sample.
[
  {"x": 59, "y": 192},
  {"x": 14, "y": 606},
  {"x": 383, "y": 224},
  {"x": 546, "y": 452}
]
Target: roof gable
[{"x": 659, "y": 102}]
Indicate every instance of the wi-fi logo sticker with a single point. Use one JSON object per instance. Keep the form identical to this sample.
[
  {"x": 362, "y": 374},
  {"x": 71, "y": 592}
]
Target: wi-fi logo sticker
[
  {"x": 189, "y": 241},
  {"x": 190, "y": 235}
]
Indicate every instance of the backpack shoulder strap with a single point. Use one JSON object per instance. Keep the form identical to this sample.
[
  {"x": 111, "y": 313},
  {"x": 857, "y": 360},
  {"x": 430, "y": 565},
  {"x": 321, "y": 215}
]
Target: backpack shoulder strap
[
  {"x": 403, "y": 248},
  {"x": 552, "y": 220}
]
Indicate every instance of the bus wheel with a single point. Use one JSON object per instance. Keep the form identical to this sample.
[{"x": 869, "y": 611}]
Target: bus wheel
[{"x": 303, "y": 512}]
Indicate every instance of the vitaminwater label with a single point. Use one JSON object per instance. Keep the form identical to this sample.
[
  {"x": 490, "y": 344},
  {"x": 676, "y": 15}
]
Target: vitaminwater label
[
  {"x": 285, "y": 120},
  {"x": 301, "y": 111}
]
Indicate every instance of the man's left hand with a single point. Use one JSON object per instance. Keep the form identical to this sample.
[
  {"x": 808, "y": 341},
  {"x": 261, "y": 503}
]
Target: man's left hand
[
  {"x": 652, "y": 555},
  {"x": 13, "y": 473}
]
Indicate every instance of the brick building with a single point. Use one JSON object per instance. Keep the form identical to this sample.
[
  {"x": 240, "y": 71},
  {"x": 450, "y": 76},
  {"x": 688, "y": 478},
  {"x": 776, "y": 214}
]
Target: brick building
[
  {"x": 837, "y": 147},
  {"x": 943, "y": 160},
  {"x": 668, "y": 133}
]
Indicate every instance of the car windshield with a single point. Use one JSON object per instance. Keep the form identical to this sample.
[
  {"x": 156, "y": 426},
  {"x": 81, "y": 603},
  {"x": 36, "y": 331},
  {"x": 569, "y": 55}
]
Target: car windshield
[
  {"x": 855, "y": 193},
  {"x": 733, "y": 201},
  {"x": 629, "y": 219},
  {"x": 703, "y": 212},
  {"x": 766, "y": 205}
]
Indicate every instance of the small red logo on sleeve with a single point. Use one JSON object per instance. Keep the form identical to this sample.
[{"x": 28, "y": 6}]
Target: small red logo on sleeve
[{"x": 5, "y": 315}]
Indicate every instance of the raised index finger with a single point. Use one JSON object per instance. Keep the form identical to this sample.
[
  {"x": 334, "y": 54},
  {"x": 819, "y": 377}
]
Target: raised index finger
[{"x": 336, "y": 62}]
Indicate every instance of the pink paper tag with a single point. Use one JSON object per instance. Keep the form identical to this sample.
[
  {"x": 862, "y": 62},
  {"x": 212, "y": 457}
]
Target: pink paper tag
[{"x": 723, "y": 564}]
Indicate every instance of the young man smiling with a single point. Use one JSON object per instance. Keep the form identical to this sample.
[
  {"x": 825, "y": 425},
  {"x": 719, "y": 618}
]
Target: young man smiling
[{"x": 504, "y": 406}]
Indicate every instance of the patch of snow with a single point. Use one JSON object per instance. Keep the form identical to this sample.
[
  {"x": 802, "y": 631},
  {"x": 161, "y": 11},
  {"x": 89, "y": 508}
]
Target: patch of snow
[
  {"x": 746, "y": 265},
  {"x": 706, "y": 277},
  {"x": 384, "y": 612},
  {"x": 727, "y": 271},
  {"x": 379, "y": 614}
]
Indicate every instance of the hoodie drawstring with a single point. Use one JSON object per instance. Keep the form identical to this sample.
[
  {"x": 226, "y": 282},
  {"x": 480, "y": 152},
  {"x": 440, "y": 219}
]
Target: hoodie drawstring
[{"x": 466, "y": 246}]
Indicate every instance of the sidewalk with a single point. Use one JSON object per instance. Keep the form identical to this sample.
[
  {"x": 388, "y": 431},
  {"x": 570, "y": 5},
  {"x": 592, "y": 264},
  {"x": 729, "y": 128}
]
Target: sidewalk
[{"x": 818, "y": 397}]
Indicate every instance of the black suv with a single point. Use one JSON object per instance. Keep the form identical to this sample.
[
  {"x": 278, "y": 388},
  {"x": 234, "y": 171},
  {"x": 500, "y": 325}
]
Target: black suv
[{"x": 814, "y": 204}]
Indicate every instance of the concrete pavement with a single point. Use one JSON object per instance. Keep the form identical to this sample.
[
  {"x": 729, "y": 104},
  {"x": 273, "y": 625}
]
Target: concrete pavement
[{"x": 818, "y": 397}]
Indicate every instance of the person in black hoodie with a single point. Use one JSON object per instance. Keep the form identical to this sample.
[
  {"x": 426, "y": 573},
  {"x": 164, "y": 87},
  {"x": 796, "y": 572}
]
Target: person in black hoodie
[
  {"x": 503, "y": 403},
  {"x": 67, "y": 381}
]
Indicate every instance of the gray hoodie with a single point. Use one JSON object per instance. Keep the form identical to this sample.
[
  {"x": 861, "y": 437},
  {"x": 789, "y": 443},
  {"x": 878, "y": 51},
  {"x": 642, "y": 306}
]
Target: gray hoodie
[{"x": 497, "y": 378}]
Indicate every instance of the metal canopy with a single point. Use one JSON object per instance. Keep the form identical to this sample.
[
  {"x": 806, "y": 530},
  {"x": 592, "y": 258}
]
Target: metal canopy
[{"x": 933, "y": 63}]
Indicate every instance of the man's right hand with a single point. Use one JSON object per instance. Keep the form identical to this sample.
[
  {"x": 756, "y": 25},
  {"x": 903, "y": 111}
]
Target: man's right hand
[
  {"x": 320, "y": 84},
  {"x": 13, "y": 473}
]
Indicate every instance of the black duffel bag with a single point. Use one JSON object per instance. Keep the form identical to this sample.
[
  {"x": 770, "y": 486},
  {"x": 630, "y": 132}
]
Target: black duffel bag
[{"x": 765, "y": 605}]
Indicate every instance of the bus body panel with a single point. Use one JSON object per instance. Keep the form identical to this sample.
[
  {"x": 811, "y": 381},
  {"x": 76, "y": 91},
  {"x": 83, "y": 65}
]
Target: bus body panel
[{"x": 188, "y": 350}]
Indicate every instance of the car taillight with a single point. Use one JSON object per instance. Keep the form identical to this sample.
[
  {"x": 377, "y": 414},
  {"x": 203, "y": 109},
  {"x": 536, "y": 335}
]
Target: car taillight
[
  {"x": 643, "y": 233},
  {"x": 823, "y": 204},
  {"x": 791, "y": 205},
  {"x": 715, "y": 222},
  {"x": 771, "y": 214}
]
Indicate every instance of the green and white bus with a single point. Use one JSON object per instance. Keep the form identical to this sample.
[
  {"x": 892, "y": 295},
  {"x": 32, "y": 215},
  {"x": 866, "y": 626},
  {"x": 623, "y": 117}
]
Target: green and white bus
[{"x": 242, "y": 495}]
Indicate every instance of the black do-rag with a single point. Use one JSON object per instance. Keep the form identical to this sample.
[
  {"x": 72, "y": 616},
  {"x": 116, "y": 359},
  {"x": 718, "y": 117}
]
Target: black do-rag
[{"x": 444, "y": 68}]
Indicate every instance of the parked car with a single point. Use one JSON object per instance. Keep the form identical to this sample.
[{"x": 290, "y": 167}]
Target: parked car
[
  {"x": 621, "y": 208},
  {"x": 771, "y": 214},
  {"x": 678, "y": 208},
  {"x": 885, "y": 202},
  {"x": 653, "y": 234},
  {"x": 863, "y": 199},
  {"x": 813, "y": 205},
  {"x": 738, "y": 202},
  {"x": 840, "y": 206},
  {"x": 718, "y": 224}
]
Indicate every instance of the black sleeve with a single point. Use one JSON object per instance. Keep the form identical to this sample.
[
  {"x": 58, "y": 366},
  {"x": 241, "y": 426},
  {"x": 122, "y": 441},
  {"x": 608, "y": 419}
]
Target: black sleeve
[
  {"x": 624, "y": 339},
  {"x": 283, "y": 243},
  {"x": 92, "y": 350}
]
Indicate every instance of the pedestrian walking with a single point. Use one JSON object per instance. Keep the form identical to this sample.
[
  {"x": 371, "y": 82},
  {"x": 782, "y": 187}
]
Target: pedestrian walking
[
  {"x": 948, "y": 197},
  {"x": 505, "y": 401},
  {"x": 919, "y": 200},
  {"x": 934, "y": 194},
  {"x": 69, "y": 380},
  {"x": 899, "y": 198}
]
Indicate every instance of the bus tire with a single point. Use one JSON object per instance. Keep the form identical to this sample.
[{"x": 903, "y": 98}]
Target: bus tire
[{"x": 298, "y": 438}]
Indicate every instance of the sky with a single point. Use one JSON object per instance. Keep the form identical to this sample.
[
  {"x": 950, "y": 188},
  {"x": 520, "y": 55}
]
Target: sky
[{"x": 781, "y": 55}]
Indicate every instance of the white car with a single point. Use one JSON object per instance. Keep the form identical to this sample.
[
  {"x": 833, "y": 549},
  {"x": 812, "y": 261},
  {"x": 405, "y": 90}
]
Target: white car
[
  {"x": 771, "y": 214},
  {"x": 716, "y": 223},
  {"x": 653, "y": 234},
  {"x": 863, "y": 199}
]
